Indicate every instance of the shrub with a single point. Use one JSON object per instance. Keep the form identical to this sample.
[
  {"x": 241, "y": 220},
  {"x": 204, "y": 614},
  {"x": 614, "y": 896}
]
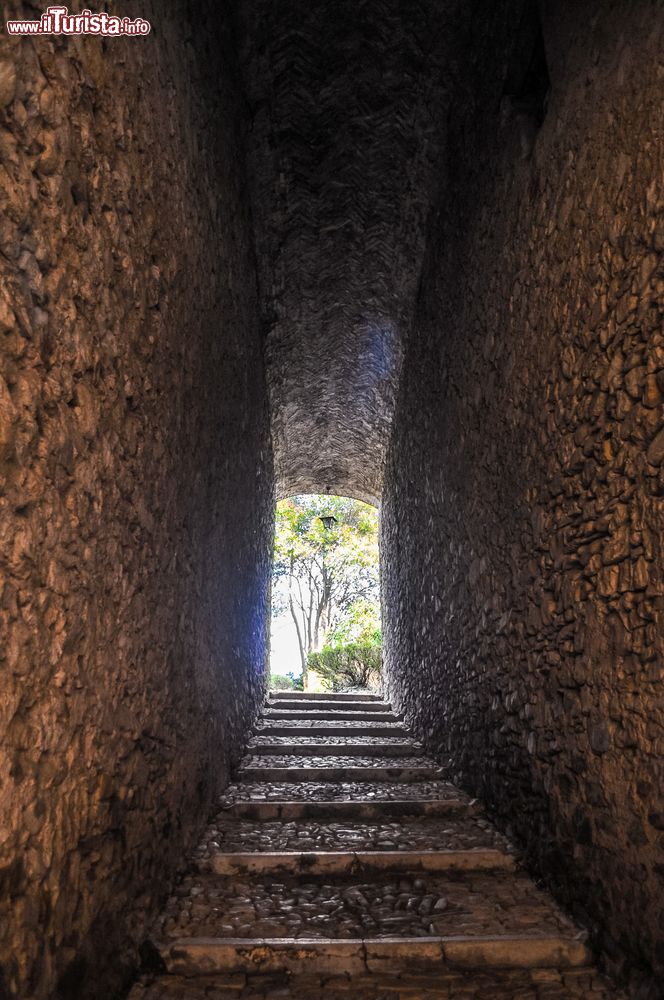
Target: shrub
[
  {"x": 285, "y": 682},
  {"x": 355, "y": 665}
]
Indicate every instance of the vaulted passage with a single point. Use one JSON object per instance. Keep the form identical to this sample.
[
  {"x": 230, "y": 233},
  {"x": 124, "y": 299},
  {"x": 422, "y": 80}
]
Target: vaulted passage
[{"x": 404, "y": 252}]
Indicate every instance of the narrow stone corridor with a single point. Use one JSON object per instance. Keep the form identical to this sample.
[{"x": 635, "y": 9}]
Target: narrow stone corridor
[
  {"x": 341, "y": 859},
  {"x": 409, "y": 252}
]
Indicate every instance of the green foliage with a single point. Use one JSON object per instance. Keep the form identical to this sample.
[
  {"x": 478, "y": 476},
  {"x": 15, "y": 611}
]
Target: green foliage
[
  {"x": 286, "y": 682},
  {"x": 360, "y": 624},
  {"x": 326, "y": 576},
  {"x": 356, "y": 665}
]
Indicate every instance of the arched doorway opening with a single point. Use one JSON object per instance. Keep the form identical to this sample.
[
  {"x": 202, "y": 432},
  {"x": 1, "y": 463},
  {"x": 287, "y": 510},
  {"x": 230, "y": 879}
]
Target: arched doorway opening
[{"x": 326, "y": 621}]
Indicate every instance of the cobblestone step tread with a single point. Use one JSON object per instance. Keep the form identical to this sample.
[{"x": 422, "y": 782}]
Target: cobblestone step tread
[
  {"x": 367, "y": 746},
  {"x": 496, "y": 984},
  {"x": 366, "y": 707},
  {"x": 313, "y": 696},
  {"x": 307, "y": 760},
  {"x": 344, "y": 791},
  {"x": 323, "y": 729},
  {"x": 460, "y": 833},
  {"x": 329, "y": 715},
  {"x": 401, "y": 773},
  {"x": 413, "y": 905},
  {"x": 351, "y": 737}
]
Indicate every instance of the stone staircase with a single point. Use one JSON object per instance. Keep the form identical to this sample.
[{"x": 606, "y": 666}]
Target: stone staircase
[{"x": 342, "y": 860}]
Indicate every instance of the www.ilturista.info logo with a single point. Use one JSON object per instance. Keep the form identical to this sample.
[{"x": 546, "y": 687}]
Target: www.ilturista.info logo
[{"x": 58, "y": 21}]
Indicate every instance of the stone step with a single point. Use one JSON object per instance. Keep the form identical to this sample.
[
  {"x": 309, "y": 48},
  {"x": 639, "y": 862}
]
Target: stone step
[
  {"x": 348, "y": 791},
  {"x": 401, "y": 774},
  {"x": 305, "y": 696},
  {"x": 330, "y": 715},
  {"x": 255, "y": 757},
  {"x": 332, "y": 809},
  {"x": 387, "y": 834},
  {"x": 322, "y": 729},
  {"x": 355, "y": 956},
  {"x": 354, "y": 859},
  {"x": 346, "y": 749},
  {"x": 356, "y": 862},
  {"x": 408, "y": 911},
  {"x": 576, "y": 983},
  {"x": 361, "y": 707}
]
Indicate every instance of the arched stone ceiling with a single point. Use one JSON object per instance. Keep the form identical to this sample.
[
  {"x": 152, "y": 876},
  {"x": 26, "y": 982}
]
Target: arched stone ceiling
[{"x": 347, "y": 100}]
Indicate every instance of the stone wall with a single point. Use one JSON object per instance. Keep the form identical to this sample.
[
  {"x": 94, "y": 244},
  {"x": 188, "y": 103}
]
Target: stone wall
[
  {"x": 135, "y": 482},
  {"x": 346, "y": 128},
  {"x": 523, "y": 514}
]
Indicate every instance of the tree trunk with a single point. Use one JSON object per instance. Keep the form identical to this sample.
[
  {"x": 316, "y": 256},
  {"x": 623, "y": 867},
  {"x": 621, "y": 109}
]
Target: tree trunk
[{"x": 303, "y": 650}]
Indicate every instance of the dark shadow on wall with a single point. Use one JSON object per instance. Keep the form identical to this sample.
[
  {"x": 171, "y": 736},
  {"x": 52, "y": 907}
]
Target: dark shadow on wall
[{"x": 527, "y": 83}]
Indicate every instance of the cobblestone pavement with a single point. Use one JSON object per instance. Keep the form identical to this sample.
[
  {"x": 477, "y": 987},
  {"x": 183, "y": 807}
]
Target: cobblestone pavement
[
  {"x": 257, "y": 916},
  {"x": 412, "y": 907},
  {"x": 318, "y": 726},
  {"x": 342, "y": 760},
  {"x": 344, "y": 741},
  {"x": 340, "y": 791},
  {"x": 538, "y": 984},
  {"x": 468, "y": 834}
]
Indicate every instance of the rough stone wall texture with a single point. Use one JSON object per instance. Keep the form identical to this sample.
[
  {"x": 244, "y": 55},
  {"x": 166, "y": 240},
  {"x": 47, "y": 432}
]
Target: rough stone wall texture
[
  {"x": 523, "y": 513},
  {"x": 346, "y": 102},
  {"x": 135, "y": 483}
]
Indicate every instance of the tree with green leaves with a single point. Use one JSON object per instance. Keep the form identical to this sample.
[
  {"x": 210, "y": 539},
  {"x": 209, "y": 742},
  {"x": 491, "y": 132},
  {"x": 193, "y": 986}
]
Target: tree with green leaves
[
  {"x": 360, "y": 623},
  {"x": 326, "y": 561},
  {"x": 343, "y": 668}
]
